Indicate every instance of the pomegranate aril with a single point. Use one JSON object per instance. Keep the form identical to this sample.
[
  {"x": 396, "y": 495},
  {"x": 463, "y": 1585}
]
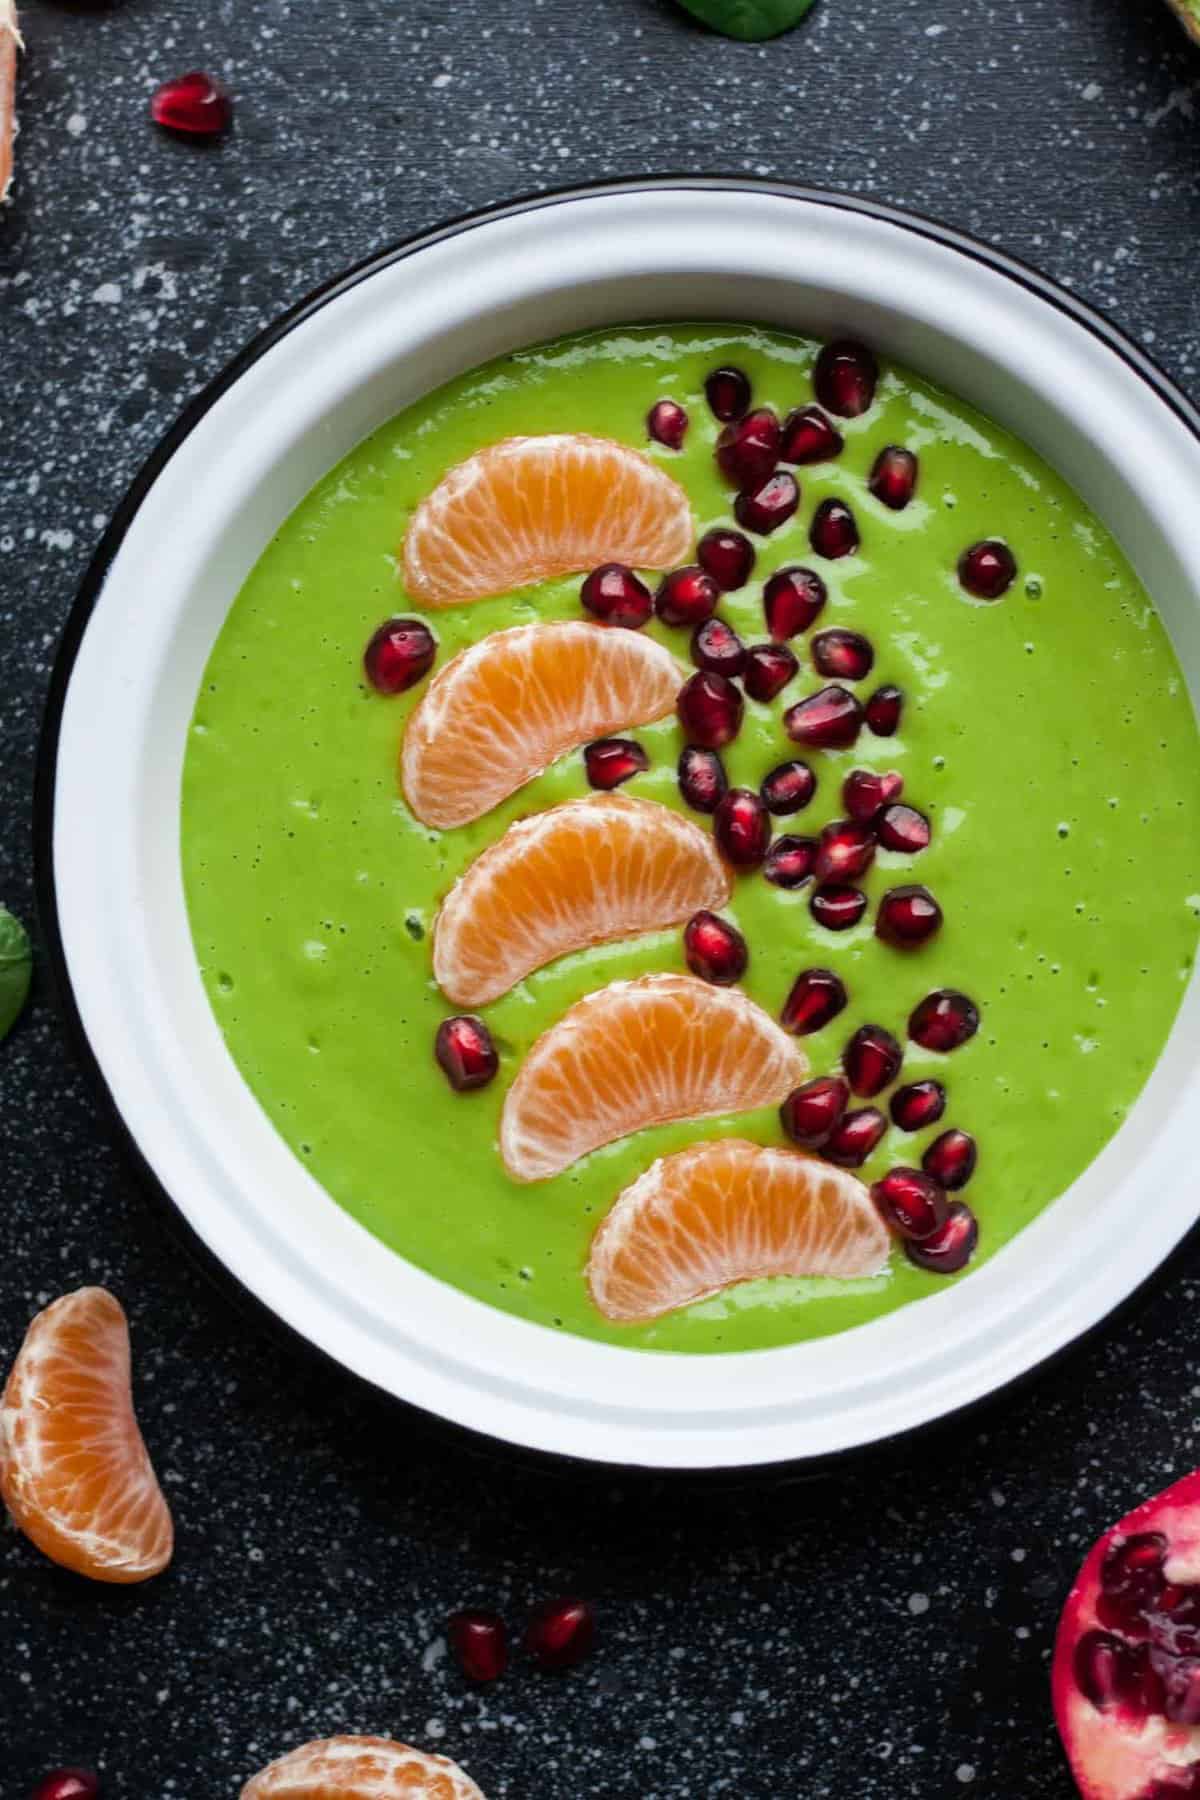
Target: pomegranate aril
[
  {"x": 943, "y": 1020},
  {"x": 911, "y": 1203},
  {"x": 714, "y": 949},
  {"x": 830, "y": 719},
  {"x": 1108, "y": 1671},
  {"x": 903, "y": 828},
  {"x": 788, "y": 788},
  {"x": 687, "y": 596},
  {"x": 68, "y": 1784},
  {"x": 919, "y": 1104},
  {"x": 1132, "y": 1577},
  {"x": 792, "y": 599},
  {"x": 610, "y": 761},
  {"x": 844, "y": 378},
  {"x": 728, "y": 556},
  {"x": 728, "y": 393},
  {"x": 854, "y": 1137},
  {"x": 951, "y": 1247},
  {"x": 842, "y": 655},
  {"x": 893, "y": 477},
  {"x": 766, "y": 507},
  {"x": 817, "y": 996},
  {"x": 398, "y": 655},
  {"x": 465, "y": 1051},
  {"x": 193, "y": 103},
  {"x": 883, "y": 711},
  {"x": 616, "y": 596},
  {"x": 1180, "y": 1676},
  {"x": 837, "y": 907},
  {"x": 717, "y": 647},
  {"x": 951, "y": 1159},
  {"x": 809, "y": 437},
  {"x": 479, "y": 1641},
  {"x": 667, "y": 423},
  {"x": 845, "y": 850},
  {"x": 702, "y": 778},
  {"x": 988, "y": 569},
  {"x": 710, "y": 709},
  {"x": 871, "y": 1060},
  {"x": 742, "y": 828},
  {"x": 865, "y": 792},
  {"x": 907, "y": 917},
  {"x": 769, "y": 668},
  {"x": 809, "y": 1113},
  {"x": 748, "y": 449},
  {"x": 560, "y": 1634},
  {"x": 789, "y": 861}
]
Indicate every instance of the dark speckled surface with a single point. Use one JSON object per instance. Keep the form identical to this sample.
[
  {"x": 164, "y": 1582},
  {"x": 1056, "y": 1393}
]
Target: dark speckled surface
[{"x": 882, "y": 1633}]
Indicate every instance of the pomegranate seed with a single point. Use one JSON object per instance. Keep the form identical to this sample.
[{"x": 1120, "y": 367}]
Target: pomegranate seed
[
  {"x": 1132, "y": 1576},
  {"x": 710, "y": 709},
  {"x": 987, "y": 569},
  {"x": 907, "y": 917},
  {"x": 667, "y": 423},
  {"x": 792, "y": 599},
  {"x": 399, "y": 654},
  {"x": 788, "y": 788},
  {"x": 728, "y": 556},
  {"x": 616, "y": 596},
  {"x": 193, "y": 103},
  {"x": 865, "y": 792},
  {"x": 844, "y": 378},
  {"x": 951, "y": 1159},
  {"x": 464, "y": 1049},
  {"x": 717, "y": 647},
  {"x": 610, "y": 761},
  {"x": 871, "y": 1060},
  {"x": 1106, "y": 1668},
  {"x": 686, "y": 596},
  {"x": 837, "y": 907},
  {"x": 742, "y": 828},
  {"x": 828, "y": 720},
  {"x": 834, "y": 530},
  {"x": 893, "y": 479},
  {"x": 766, "y": 507},
  {"x": 842, "y": 655},
  {"x": 728, "y": 392},
  {"x": 789, "y": 861},
  {"x": 951, "y": 1247},
  {"x": 1180, "y": 1676},
  {"x": 809, "y": 1113},
  {"x": 854, "y": 1137},
  {"x": 809, "y": 437},
  {"x": 769, "y": 668},
  {"x": 911, "y": 1203},
  {"x": 714, "y": 949},
  {"x": 560, "y": 1634},
  {"x": 817, "y": 996},
  {"x": 904, "y": 828},
  {"x": 748, "y": 449},
  {"x": 845, "y": 851},
  {"x": 702, "y": 778},
  {"x": 67, "y": 1784},
  {"x": 943, "y": 1020},
  {"x": 480, "y": 1643},
  {"x": 883, "y": 711},
  {"x": 919, "y": 1104}
]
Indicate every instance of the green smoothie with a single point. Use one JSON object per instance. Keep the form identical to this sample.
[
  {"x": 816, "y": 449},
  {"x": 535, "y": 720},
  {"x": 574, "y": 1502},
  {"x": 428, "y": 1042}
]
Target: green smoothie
[{"x": 1048, "y": 736}]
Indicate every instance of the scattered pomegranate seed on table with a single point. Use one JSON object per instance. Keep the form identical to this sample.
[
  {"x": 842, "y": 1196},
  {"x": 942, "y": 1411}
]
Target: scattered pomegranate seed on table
[
  {"x": 610, "y": 761},
  {"x": 742, "y": 828},
  {"x": 834, "y": 530},
  {"x": 988, "y": 569},
  {"x": 816, "y": 997},
  {"x": 919, "y": 1104},
  {"x": 768, "y": 669},
  {"x": 911, "y": 1203},
  {"x": 789, "y": 862},
  {"x": 830, "y": 719},
  {"x": 561, "y": 1634},
  {"x": 854, "y": 1137},
  {"x": 951, "y": 1247},
  {"x": 842, "y": 655},
  {"x": 728, "y": 556},
  {"x": 702, "y": 778},
  {"x": 883, "y": 711},
  {"x": 616, "y": 596},
  {"x": 765, "y": 508},
  {"x": 951, "y": 1159},
  {"x": 194, "y": 104},
  {"x": 479, "y": 1641},
  {"x": 865, "y": 792},
  {"x": 728, "y": 394},
  {"x": 943, "y": 1020},
  {"x": 809, "y": 1113},
  {"x": 903, "y": 828},
  {"x": 893, "y": 478},
  {"x": 714, "y": 949},
  {"x": 68, "y": 1784},
  {"x": 907, "y": 917},
  {"x": 837, "y": 906},
  {"x": 687, "y": 596},
  {"x": 872, "y": 1061},
  {"x": 399, "y": 653},
  {"x": 845, "y": 850},
  {"x": 748, "y": 449},
  {"x": 717, "y": 647},
  {"x": 788, "y": 788},
  {"x": 667, "y": 424},
  {"x": 809, "y": 437},
  {"x": 710, "y": 709},
  {"x": 792, "y": 599},
  {"x": 465, "y": 1052},
  {"x": 845, "y": 377}
]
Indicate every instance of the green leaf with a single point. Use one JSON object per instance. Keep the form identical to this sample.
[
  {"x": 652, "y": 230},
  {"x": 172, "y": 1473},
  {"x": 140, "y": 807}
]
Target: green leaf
[
  {"x": 16, "y": 966},
  {"x": 751, "y": 20}
]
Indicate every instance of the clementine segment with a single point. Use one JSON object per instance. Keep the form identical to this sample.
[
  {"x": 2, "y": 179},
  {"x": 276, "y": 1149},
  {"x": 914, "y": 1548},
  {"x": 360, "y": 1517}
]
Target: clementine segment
[
  {"x": 533, "y": 507},
  {"x": 74, "y": 1471},
  {"x": 585, "y": 872},
  {"x": 724, "y": 1212},
  {"x": 360, "y": 1768}
]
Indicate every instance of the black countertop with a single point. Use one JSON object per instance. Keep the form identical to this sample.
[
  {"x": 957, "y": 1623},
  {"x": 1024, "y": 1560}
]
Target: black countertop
[{"x": 881, "y": 1632}]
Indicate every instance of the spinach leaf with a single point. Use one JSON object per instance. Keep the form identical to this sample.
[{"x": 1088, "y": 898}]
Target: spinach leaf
[
  {"x": 749, "y": 19},
  {"x": 16, "y": 964}
]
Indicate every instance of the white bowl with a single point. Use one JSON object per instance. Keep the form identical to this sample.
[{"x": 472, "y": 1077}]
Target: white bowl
[{"x": 178, "y": 551}]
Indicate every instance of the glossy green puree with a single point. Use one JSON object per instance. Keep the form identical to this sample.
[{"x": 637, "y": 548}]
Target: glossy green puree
[{"x": 1048, "y": 736}]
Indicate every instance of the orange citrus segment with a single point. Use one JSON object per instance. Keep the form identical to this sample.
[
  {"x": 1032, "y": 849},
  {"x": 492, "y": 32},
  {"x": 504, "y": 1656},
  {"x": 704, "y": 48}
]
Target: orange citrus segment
[
  {"x": 74, "y": 1471},
  {"x": 585, "y": 872},
  {"x": 360, "y": 1768},
  {"x": 498, "y": 713},
  {"x": 641, "y": 1053},
  {"x": 532, "y": 507},
  {"x": 10, "y": 38},
  {"x": 729, "y": 1211}
]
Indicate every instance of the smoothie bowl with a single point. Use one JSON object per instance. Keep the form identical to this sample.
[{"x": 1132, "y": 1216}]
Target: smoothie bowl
[{"x": 638, "y": 762}]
